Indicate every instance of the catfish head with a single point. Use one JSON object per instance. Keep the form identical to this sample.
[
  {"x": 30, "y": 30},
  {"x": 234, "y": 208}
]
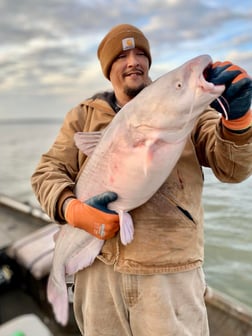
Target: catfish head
[{"x": 170, "y": 105}]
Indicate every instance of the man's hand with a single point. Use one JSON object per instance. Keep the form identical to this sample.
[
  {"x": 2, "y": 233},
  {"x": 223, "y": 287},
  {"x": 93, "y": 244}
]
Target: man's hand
[
  {"x": 236, "y": 99},
  {"x": 94, "y": 216}
]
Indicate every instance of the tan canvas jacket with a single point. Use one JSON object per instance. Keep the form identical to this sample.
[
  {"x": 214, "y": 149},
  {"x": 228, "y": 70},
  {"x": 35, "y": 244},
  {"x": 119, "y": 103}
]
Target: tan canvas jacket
[{"x": 169, "y": 227}]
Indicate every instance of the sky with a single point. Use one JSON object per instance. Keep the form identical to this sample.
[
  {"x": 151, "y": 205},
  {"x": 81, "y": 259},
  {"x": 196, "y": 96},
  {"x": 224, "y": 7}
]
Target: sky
[{"x": 48, "y": 61}]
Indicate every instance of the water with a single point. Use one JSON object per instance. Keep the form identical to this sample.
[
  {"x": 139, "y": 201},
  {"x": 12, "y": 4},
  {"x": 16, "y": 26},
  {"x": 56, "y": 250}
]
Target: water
[
  {"x": 228, "y": 236},
  {"x": 22, "y": 144},
  {"x": 228, "y": 217}
]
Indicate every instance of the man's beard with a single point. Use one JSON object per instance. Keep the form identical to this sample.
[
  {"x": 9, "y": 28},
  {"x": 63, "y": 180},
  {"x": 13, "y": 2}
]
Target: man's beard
[{"x": 132, "y": 92}]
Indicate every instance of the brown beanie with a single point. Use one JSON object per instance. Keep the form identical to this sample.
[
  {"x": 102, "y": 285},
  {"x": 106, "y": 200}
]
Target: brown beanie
[{"x": 118, "y": 39}]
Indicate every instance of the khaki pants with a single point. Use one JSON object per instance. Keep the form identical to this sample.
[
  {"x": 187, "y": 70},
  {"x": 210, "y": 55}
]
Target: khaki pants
[{"x": 114, "y": 304}]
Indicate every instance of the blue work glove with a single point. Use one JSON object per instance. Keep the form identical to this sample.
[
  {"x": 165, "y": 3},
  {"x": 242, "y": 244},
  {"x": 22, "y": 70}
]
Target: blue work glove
[
  {"x": 101, "y": 201},
  {"x": 236, "y": 99}
]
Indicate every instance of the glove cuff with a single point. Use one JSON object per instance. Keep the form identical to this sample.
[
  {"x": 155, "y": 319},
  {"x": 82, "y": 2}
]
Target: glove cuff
[
  {"x": 69, "y": 210},
  {"x": 239, "y": 124}
]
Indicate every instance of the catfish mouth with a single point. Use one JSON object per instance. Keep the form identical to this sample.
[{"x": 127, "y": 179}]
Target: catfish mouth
[
  {"x": 207, "y": 70},
  {"x": 208, "y": 86}
]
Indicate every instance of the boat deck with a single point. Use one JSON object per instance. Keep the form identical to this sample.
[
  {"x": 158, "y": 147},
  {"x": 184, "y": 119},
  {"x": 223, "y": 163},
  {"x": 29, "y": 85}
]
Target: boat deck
[
  {"x": 25, "y": 294},
  {"x": 18, "y": 220}
]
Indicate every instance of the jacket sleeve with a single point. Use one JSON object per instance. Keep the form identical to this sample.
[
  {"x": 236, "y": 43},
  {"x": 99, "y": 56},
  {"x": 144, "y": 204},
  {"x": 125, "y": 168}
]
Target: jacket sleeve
[
  {"x": 53, "y": 179},
  {"x": 228, "y": 154}
]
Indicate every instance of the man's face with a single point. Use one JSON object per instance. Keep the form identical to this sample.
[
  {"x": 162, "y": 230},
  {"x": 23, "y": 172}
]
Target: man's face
[{"x": 129, "y": 74}]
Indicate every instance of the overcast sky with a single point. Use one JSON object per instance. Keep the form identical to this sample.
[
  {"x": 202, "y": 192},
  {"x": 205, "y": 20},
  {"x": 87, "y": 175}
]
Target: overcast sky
[{"x": 48, "y": 61}]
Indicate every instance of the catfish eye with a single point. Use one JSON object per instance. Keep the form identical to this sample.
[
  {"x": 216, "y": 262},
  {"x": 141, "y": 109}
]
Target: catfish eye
[{"x": 179, "y": 85}]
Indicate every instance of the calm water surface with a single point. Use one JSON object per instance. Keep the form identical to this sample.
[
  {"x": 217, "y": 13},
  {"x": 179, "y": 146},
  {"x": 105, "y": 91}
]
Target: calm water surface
[{"x": 228, "y": 217}]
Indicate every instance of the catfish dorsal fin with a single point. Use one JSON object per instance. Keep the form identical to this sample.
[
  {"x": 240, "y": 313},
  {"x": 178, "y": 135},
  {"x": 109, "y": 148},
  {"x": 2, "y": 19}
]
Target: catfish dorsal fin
[{"x": 87, "y": 141}]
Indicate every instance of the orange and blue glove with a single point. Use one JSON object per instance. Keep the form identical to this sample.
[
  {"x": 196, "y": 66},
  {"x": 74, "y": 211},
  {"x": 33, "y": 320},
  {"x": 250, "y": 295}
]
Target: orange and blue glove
[
  {"x": 234, "y": 104},
  {"x": 94, "y": 216}
]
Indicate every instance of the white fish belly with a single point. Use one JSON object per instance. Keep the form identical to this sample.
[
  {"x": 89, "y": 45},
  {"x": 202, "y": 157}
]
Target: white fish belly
[{"x": 134, "y": 173}]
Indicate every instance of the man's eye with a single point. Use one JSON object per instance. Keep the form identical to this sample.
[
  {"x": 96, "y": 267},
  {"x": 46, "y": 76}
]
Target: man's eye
[{"x": 121, "y": 56}]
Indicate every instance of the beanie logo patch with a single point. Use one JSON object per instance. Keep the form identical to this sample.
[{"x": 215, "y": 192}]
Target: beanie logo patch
[{"x": 128, "y": 43}]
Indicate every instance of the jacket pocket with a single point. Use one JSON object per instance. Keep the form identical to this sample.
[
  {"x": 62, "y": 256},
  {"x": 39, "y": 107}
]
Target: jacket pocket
[{"x": 186, "y": 213}]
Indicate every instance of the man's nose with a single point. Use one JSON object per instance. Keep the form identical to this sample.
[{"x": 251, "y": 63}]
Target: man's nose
[{"x": 132, "y": 59}]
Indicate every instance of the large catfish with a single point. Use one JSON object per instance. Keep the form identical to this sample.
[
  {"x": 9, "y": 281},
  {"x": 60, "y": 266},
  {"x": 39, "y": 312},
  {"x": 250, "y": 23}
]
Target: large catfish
[{"x": 132, "y": 157}]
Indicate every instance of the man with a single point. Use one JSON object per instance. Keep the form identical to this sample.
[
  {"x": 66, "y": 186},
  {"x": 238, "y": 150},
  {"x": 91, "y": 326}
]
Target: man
[{"x": 155, "y": 285}]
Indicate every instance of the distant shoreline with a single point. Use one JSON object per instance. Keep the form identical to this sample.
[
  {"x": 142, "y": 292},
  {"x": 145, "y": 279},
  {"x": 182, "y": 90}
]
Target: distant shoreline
[{"x": 16, "y": 121}]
